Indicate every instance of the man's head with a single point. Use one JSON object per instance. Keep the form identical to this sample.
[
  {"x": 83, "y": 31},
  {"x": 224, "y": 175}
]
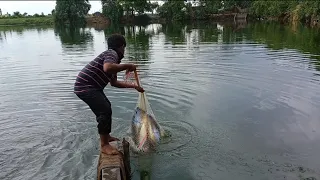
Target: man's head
[{"x": 117, "y": 42}]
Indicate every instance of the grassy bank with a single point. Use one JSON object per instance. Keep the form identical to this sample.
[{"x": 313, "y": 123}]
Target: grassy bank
[
  {"x": 26, "y": 21},
  {"x": 47, "y": 20}
]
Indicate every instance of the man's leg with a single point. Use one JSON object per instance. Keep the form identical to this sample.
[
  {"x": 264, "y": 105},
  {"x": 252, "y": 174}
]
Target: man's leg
[
  {"x": 101, "y": 107},
  {"x": 110, "y": 138},
  {"x": 104, "y": 128}
]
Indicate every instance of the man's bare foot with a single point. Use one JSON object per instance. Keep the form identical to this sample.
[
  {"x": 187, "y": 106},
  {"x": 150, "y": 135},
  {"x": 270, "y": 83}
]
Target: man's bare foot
[
  {"x": 108, "y": 149},
  {"x": 113, "y": 139}
]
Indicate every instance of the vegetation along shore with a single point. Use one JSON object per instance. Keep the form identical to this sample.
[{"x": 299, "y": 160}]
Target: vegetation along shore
[{"x": 145, "y": 11}]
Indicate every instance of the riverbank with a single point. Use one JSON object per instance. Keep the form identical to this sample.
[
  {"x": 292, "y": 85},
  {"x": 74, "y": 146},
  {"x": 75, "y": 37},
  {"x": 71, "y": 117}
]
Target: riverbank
[
  {"x": 27, "y": 21},
  {"x": 102, "y": 22},
  {"x": 47, "y": 20}
]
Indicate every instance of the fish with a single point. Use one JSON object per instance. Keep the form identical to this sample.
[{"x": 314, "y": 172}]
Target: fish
[{"x": 145, "y": 131}]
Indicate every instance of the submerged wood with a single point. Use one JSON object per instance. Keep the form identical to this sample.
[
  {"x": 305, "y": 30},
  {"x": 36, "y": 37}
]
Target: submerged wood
[{"x": 115, "y": 167}]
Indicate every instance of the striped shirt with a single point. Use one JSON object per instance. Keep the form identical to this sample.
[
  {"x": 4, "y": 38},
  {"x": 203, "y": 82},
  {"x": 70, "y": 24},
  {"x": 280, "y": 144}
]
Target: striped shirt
[{"x": 92, "y": 75}]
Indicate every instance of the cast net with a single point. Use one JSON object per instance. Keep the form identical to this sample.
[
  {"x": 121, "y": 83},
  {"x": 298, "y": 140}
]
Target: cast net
[{"x": 146, "y": 133}]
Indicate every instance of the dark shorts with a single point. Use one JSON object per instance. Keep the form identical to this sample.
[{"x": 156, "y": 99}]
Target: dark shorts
[{"x": 101, "y": 107}]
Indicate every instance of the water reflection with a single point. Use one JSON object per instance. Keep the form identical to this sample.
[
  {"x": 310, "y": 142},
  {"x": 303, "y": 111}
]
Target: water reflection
[
  {"x": 174, "y": 33},
  {"x": 138, "y": 43},
  {"x": 277, "y": 37},
  {"x": 73, "y": 35},
  {"x": 207, "y": 32},
  {"x": 114, "y": 29},
  {"x": 19, "y": 30},
  {"x": 138, "y": 40},
  {"x": 3, "y": 35}
]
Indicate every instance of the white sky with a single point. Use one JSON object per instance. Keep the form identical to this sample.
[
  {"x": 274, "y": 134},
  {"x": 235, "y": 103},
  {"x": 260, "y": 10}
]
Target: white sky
[{"x": 32, "y": 7}]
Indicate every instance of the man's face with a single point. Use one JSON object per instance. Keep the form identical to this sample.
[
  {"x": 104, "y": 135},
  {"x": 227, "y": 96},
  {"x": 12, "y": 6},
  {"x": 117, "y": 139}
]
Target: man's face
[{"x": 122, "y": 49}]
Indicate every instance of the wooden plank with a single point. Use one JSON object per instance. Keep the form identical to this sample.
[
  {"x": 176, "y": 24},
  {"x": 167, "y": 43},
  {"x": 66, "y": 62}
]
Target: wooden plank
[
  {"x": 126, "y": 146},
  {"x": 115, "y": 167},
  {"x": 111, "y": 174}
]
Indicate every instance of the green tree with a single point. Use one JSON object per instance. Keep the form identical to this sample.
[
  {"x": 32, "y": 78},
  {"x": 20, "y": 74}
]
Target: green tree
[
  {"x": 238, "y": 3},
  {"x": 308, "y": 9},
  {"x": 153, "y": 7},
  {"x": 71, "y": 11},
  {"x": 276, "y": 8},
  {"x": 178, "y": 10},
  {"x": 17, "y": 14},
  {"x": 139, "y": 6},
  {"x": 173, "y": 10},
  {"x": 127, "y": 7},
  {"x": 207, "y": 7},
  {"x": 53, "y": 12},
  {"x": 112, "y": 9},
  {"x": 0, "y": 12}
]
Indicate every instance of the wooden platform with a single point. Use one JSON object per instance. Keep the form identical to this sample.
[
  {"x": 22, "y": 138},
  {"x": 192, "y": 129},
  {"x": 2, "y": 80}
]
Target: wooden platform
[{"x": 115, "y": 167}]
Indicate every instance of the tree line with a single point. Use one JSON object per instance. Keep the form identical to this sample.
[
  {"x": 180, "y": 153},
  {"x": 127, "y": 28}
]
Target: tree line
[
  {"x": 75, "y": 11},
  {"x": 179, "y": 10},
  {"x": 18, "y": 14}
]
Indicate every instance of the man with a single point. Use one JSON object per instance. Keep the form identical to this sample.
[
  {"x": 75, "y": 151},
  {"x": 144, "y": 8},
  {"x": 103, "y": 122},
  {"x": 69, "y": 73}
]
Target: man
[{"x": 93, "y": 78}]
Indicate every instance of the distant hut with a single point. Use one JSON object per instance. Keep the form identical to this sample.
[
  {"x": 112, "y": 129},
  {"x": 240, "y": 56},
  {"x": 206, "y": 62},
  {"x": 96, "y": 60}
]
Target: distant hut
[
  {"x": 97, "y": 14},
  {"x": 315, "y": 20},
  {"x": 98, "y": 20},
  {"x": 238, "y": 13}
]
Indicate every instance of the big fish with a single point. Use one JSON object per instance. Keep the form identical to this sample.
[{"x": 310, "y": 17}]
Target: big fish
[{"x": 146, "y": 132}]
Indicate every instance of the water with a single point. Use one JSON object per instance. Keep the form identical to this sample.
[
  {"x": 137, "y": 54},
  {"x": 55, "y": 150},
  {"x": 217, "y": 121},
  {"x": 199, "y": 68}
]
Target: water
[{"x": 241, "y": 102}]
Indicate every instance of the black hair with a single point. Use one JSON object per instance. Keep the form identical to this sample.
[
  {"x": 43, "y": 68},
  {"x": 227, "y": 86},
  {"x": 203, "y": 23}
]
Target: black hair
[{"x": 116, "y": 41}]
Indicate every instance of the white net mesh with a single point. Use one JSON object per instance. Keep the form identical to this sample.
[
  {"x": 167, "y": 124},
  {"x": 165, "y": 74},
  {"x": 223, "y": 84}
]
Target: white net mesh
[{"x": 146, "y": 133}]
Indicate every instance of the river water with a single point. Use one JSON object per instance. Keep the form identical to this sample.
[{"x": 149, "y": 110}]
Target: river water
[{"x": 240, "y": 101}]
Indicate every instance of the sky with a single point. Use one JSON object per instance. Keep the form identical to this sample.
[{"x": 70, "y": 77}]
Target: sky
[{"x": 32, "y": 7}]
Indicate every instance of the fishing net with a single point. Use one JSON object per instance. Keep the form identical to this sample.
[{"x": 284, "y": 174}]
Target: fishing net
[{"x": 146, "y": 133}]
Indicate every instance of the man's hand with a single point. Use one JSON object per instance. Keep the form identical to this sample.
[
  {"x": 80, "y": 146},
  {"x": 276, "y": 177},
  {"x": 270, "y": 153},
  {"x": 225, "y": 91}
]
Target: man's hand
[
  {"x": 122, "y": 84},
  {"x": 131, "y": 67},
  {"x": 139, "y": 89}
]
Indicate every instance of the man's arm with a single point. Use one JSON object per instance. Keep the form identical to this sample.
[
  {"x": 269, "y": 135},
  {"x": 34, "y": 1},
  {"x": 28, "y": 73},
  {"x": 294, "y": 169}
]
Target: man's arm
[
  {"x": 113, "y": 68},
  {"x": 122, "y": 84}
]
